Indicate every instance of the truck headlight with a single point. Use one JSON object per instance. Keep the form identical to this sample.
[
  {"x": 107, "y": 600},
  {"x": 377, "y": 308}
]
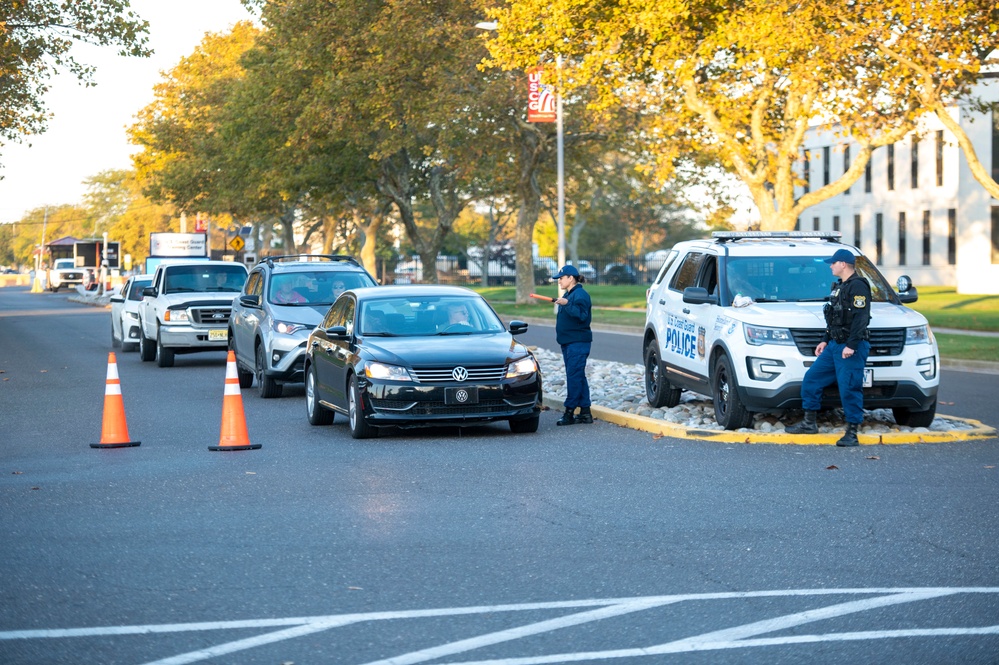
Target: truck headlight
[
  {"x": 176, "y": 316},
  {"x": 764, "y": 369},
  {"x": 385, "y": 372},
  {"x": 917, "y": 335},
  {"x": 927, "y": 367},
  {"x": 759, "y": 335},
  {"x": 522, "y": 367}
]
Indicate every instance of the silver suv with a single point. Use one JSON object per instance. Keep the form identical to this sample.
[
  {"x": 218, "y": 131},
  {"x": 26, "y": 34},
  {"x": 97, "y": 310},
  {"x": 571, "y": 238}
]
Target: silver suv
[
  {"x": 285, "y": 297},
  {"x": 738, "y": 318}
]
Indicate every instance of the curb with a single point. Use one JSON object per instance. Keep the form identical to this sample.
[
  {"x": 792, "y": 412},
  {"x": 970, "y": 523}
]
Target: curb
[{"x": 645, "y": 424}]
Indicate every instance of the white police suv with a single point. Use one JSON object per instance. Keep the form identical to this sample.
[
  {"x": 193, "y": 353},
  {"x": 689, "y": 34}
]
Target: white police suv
[{"x": 738, "y": 317}]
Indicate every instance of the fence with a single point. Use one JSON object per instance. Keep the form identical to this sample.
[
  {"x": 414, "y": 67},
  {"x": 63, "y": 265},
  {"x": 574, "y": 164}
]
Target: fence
[{"x": 502, "y": 270}]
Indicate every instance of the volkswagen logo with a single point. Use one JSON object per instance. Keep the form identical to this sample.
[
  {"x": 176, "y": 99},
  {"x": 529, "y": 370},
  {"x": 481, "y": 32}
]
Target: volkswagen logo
[
  {"x": 461, "y": 395},
  {"x": 460, "y": 374}
]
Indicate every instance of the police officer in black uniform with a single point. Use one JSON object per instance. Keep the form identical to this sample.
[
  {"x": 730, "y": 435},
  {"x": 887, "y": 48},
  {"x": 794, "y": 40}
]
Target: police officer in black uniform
[{"x": 842, "y": 354}]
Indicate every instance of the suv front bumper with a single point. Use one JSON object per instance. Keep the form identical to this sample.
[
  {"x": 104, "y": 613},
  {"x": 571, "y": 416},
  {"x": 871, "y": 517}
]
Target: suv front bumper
[
  {"x": 883, "y": 394},
  {"x": 285, "y": 361}
]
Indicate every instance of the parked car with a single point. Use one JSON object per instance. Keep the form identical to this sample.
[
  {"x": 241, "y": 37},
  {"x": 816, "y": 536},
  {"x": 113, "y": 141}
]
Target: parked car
[
  {"x": 417, "y": 356},
  {"x": 125, "y": 313},
  {"x": 285, "y": 297},
  {"x": 738, "y": 318},
  {"x": 64, "y": 273},
  {"x": 620, "y": 273},
  {"x": 585, "y": 269}
]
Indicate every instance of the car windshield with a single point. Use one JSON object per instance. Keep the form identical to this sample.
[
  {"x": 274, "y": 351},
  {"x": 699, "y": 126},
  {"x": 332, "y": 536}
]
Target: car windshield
[
  {"x": 204, "y": 279},
  {"x": 795, "y": 279},
  {"x": 314, "y": 287},
  {"x": 135, "y": 291},
  {"x": 64, "y": 264},
  {"x": 416, "y": 316}
]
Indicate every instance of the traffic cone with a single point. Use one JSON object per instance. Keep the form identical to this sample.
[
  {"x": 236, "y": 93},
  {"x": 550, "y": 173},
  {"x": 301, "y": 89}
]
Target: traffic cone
[
  {"x": 234, "y": 435},
  {"x": 114, "y": 430}
]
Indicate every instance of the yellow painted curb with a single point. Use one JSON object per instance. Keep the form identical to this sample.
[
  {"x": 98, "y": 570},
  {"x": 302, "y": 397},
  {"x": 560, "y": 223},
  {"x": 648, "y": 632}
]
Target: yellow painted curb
[{"x": 655, "y": 426}]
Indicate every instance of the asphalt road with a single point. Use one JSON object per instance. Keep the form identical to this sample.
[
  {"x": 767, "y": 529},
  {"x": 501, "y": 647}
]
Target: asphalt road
[{"x": 459, "y": 546}]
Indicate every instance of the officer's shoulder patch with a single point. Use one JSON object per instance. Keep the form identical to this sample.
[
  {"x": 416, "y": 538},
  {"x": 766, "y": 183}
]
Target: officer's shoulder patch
[{"x": 859, "y": 302}]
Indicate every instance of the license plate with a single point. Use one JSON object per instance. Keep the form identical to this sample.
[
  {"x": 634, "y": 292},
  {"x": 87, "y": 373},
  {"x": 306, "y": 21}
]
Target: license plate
[
  {"x": 461, "y": 396},
  {"x": 218, "y": 335},
  {"x": 868, "y": 378}
]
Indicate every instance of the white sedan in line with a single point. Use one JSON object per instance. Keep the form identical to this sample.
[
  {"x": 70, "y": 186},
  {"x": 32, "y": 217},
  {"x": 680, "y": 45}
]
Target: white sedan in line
[{"x": 125, "y": 313}]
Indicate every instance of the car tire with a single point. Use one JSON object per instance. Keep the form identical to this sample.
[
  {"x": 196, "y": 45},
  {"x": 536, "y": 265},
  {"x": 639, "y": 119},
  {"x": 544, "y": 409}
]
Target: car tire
[
  {"x": 267, "y": 386},
  {"x": 909, "y": 418},
  {"x": 245, "y": 378},
  {"x": 730, "y": 412},
  {"x": 359, "y": 427},
  {"x": 658, "y": 390},
  {"x": 115, "y": 342},
  {"x": 525, "y": 425},
  {"x": 317, "y": 413},
  {"x": 146, "y": 348},
  {"x": 164, "y": 356}
]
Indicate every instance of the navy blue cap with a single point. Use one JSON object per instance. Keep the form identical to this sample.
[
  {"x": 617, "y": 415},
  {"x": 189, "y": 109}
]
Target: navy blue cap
[
  {"x": 844, "y": 255},
  {"x": 569, "y": 271}
]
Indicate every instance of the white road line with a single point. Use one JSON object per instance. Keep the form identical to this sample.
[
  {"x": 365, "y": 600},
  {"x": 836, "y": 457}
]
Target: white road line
[{"x": 520, "y": 632}]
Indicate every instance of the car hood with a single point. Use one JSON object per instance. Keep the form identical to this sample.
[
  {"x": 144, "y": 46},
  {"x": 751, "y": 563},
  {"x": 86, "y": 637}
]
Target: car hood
[
  {"x": 469, "y": 350},
  {"x": 809, "y": 315},
  {"x": 172, "y": 300},
  {"x": 304, "y": 314}
]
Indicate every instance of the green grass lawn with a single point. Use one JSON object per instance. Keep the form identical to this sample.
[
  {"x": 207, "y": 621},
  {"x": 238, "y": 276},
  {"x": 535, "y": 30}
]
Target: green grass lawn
[{"x": 943, "y": 307}]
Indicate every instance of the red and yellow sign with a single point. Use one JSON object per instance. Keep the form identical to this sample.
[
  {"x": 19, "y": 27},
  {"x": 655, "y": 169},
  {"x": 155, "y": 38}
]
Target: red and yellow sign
[{"x": 541, "y": 99}]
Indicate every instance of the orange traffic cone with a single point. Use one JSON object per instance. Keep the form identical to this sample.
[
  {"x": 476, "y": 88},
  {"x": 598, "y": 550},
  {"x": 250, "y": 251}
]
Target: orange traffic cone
[
  {"x": 114, "y": 430},
  {"x": 234, "y": 435}
]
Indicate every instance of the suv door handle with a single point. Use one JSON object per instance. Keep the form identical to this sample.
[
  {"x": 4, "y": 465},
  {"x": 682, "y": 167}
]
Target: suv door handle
[
  {"x": 662, "y": 301},
  {"x": 686, "y": 311}
]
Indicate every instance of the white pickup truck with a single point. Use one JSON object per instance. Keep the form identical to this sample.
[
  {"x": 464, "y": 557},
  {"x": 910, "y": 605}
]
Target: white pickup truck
[
  {"x": 64, "y": 273},
  {"x": 187, "y": 308}
]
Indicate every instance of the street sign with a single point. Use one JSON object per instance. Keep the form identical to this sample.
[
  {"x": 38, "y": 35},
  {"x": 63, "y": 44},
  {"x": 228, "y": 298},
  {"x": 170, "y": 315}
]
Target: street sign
[{"x": 237, "y": 243}]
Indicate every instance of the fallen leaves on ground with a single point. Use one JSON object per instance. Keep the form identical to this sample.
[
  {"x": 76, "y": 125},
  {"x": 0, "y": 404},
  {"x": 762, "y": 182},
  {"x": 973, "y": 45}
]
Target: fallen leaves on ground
[{"x": 832, "y": 467}]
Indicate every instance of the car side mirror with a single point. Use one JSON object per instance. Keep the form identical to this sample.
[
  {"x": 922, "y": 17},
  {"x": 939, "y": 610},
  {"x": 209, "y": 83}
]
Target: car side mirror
[
  {"x": 698, "y": 295},
  {"x": 149, "y": 292},
  {"x": 517, "y": 328},
  {"x": 249, "y": 301},
  {"x": 337, "y": 332},
  {"x": 117, "y": 299}
]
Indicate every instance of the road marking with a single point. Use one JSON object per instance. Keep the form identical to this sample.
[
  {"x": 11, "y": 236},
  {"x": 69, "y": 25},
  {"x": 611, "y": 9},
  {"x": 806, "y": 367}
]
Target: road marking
[{"x": 736, "y": 637}]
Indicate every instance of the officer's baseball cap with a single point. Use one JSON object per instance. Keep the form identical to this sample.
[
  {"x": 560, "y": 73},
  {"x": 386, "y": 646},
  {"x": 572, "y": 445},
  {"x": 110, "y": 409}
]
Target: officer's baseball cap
[
  {"x": 567, "y": 271},
  {"x": 844, "y": 255}
]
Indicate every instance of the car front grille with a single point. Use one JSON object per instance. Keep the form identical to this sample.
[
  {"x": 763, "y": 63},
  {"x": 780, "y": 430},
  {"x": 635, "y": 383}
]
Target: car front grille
[
  {"x": 210, "y": 316},
  {"x": 884, "y": 341},
  {"x": 445, "y": 374}
]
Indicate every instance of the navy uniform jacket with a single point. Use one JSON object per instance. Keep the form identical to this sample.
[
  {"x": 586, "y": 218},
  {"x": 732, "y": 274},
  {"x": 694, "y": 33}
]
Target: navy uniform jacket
[
  {"x": 850, "y": 325},
  {"x": 572, "y": 323}
]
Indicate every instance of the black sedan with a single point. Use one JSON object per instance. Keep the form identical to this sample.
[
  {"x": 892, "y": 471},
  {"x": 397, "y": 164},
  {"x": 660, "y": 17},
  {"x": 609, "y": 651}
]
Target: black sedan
[{"x": 418, "y": 356}]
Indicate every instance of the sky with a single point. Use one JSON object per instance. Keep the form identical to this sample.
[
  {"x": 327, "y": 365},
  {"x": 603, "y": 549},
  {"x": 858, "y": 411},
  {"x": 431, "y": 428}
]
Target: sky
[{"x": 86, "y": 134}]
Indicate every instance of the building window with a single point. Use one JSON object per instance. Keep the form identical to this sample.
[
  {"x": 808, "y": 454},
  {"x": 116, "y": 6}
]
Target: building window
[
  {"x": 914, "y": 161},
  {"x": 807, "y": 175},
  {"x": 815, "y": 223},
  {"x": 846, "y": 165},
  {"x": 856, "y": 231},
  {"x": 891, "y": 167},
  {"x": 867, "y": 176},
  {"x": 835, "y": 222},
  {"x": 926, "y": 237},
  {"x": 995, "y": 234},
  {"x": 940, "y": 147},
  {"x": 879, "y": 228},
  {"x": 901, "y": 238},
  {"x": 952, "y": 236},
  {"x": 826, "y": 157}
]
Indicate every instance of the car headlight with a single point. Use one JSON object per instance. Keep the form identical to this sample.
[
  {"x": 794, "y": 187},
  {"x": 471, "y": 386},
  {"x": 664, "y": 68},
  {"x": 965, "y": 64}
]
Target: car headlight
[
  {"x": 384, "y": 372},
  {"x": 176, "y": 316},
  {"x": 522, "y": 367},
  {"x": 759, "y": 335},
  {"x": 286, "y": 328},
  {"x": 132, "y": 315},
  {"x": 917, "y": 335}
]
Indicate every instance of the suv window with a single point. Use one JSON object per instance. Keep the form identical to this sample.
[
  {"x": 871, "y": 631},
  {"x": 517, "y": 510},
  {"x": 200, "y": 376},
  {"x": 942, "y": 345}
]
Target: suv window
[
  {"x": 315, "y": 287},
  {"x": 255, "y": 284},
  {"x": 686, "y": 275}
]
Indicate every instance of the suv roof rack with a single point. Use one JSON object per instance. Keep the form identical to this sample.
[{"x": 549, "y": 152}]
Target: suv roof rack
[
  {"x": 317, "y": 258},
  {"x": 726, "y": 236}
]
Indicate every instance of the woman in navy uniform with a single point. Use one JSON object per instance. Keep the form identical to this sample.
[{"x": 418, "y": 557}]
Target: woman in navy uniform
[
  {"x": 573, "y": 334},
  {"x": 842, "y": 353}
]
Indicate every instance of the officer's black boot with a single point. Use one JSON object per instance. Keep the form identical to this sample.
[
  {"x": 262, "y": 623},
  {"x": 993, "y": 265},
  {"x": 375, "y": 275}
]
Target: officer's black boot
[
  {"x": 584, "y": 417},
  {"x": 806, "y": 426},
  {"x": 567, "y": 418},
  {"x": 850, "y": 436}
]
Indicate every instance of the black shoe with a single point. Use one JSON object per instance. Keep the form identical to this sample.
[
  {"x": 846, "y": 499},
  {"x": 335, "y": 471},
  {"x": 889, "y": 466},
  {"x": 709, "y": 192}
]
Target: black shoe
[
  {"x": 584, "y": 417},
  {"x": 566, "y": 419},
  {"x": 849, "y": 437},
  {"x": 806, "y": 426}
]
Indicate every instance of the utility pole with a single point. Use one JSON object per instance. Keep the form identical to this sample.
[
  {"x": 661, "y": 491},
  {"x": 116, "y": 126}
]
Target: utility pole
[{"x": 36, "y": 284}]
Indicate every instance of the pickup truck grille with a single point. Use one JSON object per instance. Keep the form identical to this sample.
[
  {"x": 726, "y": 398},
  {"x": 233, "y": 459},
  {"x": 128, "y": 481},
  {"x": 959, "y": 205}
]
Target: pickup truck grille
[
  {"x": 211, "y": 316},
  {"x": 884, "y": 341}
]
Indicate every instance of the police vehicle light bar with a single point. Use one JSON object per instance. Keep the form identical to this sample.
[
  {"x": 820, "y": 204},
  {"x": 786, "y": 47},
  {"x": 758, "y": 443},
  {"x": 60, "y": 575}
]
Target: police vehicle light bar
[{"x": 725, "y": 236}]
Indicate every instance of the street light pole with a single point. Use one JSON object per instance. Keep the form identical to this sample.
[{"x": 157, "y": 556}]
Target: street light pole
[{"x": 560, "y": 146}]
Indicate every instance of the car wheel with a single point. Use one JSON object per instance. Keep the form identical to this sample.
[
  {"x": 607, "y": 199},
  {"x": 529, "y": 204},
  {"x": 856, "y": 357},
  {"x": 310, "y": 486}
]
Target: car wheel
[
  {"x": 267, "y": 386},
  {"x": 115, "y": 342},
  {"x": 146, "y": 349},
  {"x": 359, "y": 427},
  {"x": 245, "y": 378},
  {"x": 658, "y": 390},
  {"x": 730, "y": 412},
  {"x": 164, "y": 356},
  {"x": 525, "y": 425},
  {"x": 318, "y": 414},
  {"x": 908, "y": 418}
]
